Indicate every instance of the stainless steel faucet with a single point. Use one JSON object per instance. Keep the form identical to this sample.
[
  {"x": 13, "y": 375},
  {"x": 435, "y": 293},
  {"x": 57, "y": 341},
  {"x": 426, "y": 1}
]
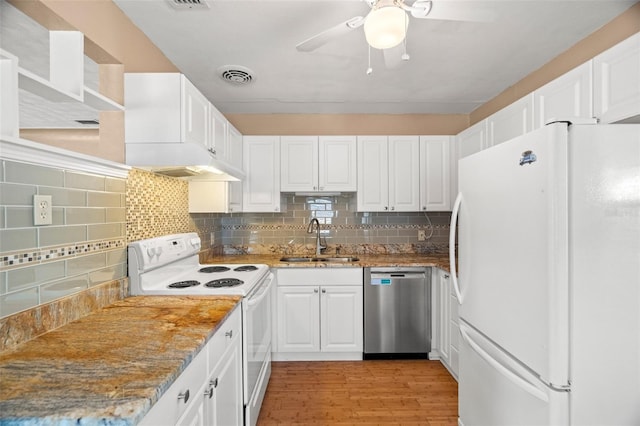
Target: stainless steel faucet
[{"x": 319, "y": 245}]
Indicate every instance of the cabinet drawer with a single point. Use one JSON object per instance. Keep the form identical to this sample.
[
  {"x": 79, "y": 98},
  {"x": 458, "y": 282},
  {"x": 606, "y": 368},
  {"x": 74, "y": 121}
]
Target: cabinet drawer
[
  {"x": 170, "y": 407},
  {"x": 229, "y": 331},
  {"x": 319, "y": 276}
]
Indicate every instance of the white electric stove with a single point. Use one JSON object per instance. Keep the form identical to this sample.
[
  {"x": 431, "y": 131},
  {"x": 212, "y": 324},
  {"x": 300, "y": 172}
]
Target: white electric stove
[{"x": 169, "y": 265}]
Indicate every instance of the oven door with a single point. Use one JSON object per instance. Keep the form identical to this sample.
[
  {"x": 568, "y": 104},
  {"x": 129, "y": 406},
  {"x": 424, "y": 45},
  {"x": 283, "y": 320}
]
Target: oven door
[{"x": 257, "y": 334}]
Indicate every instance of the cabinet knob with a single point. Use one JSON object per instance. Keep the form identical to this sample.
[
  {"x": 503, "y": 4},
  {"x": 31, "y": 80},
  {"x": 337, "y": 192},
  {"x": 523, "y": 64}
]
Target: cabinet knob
[
  {"x": 315, "y": 290},
  {"x": 184, "y": 396},
  {"x": 324, "y": 290},
  {"x": 229, "y": 334},
  {"x": 315, "y": 187},
  {"x": 393, "y": 208},
  {"x": 386, "y": 208},
  {"x": 209, "y": 392},
  {"x": 424, "y": 207},
  {"x": 446, "y": 276},
  {"x": 214, "y": 383}
]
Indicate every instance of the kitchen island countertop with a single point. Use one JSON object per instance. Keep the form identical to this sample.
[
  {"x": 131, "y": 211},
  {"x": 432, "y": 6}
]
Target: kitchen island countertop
[
  {"x": 109, "y": 367},
  {"x": 364, "y": 260}
]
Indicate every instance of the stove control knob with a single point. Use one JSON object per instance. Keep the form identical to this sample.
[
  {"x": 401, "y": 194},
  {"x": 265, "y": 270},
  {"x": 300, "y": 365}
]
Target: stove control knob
[
  {"x": 158, "y": 251},
  {"x": 151, "y": 251}
]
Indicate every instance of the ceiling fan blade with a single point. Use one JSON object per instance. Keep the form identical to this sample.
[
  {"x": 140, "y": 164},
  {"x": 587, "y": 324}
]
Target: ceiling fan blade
[
  {"x": 326, "y": 36},
  {"x": 448, "y": 10}
]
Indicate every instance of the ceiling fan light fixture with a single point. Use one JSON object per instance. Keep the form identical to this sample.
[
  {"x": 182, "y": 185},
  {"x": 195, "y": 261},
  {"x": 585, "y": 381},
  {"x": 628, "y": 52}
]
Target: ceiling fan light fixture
[{"x": 386, "y": 27}]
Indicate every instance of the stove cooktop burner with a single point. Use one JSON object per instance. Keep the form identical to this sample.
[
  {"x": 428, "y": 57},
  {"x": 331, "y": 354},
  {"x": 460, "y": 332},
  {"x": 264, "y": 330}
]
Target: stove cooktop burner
[
  {"x": 224, "y": 282},
  {"x": 209, "y": 269},
  {"x": 245, "y": 268},
  {"x": 184, "y": 284}
]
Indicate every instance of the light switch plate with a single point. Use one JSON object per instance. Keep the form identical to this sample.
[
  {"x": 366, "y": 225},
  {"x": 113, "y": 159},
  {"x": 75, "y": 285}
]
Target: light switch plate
[{"x": 42, "y": 210}]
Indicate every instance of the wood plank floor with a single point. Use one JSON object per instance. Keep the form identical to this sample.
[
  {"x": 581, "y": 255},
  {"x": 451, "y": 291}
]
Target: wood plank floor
[{"x": 395, "y": 392}]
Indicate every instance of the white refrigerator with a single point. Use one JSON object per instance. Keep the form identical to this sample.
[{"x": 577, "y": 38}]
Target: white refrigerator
[{"x": 548, "y": 231}]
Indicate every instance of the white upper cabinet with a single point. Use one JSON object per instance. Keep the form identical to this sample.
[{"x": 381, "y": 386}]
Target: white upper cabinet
[
  {"x": 318, "y": 164},
  {"x": 234, "y": 145},
  {"x": 261, "y": 187},
  {"x": 388, "y": 173},
  {"x": 435, "y": 173},
  {"x": 617, "y": 82},
  {"x": 511, "y": 121},
  {"x": 337, "y": 163},
  {"x": 472, "y": 140},
  {"x": 164, "y": 108},
  {"x": 568, "y": 96},
  {"x": 218, "y": 143},
  {"x": 299, "y": 163}
]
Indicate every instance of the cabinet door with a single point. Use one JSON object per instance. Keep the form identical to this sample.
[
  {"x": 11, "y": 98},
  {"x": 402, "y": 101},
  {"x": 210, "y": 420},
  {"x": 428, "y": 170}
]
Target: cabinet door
[
  {"x": 341, "y": 318},
  {"x": 435, "y": 173},
  {"x": 373, "y": 174},
  {"x": 218, "y": 132},
  {"x": 566, "y": 97},
  {"x": 195, "y": 114},
  {"x": 299, "y": 163},
  {"x": 298, "y": 313},
  {"x": 337, "y": 163},
  {"x": 617, "y": 82},
  {"x": 234, "y": 141},
  {"x": 223, "y": 400},
  {"x": 404, "y": 173},
  {"x": 261, "y": 188},
  {"x": 472, "y": 140},
  {"x": 208, "y": 196},
  {"x": 511, "y": 121}
]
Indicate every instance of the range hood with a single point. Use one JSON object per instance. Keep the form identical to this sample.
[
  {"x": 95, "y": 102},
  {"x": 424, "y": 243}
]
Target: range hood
[{"x": 181, "y": 160}]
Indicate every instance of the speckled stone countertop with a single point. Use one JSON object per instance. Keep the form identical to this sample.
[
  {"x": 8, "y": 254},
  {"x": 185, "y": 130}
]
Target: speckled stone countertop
[
  {"x": 365, "y": 260},
  {"x": 109, "y": 367}
]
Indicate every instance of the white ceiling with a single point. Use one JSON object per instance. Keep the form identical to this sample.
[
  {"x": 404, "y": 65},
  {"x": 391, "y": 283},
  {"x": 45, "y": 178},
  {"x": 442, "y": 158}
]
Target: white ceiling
[{"x": 454, "y": 67}]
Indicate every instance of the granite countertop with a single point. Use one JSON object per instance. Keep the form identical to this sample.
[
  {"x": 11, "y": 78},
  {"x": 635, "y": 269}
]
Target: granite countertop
[
  {"x": 365, "y": 260},
  {"x": 109, "y": 367}
]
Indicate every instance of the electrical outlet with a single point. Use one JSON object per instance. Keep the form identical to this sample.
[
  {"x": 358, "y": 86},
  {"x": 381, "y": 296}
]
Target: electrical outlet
[
  {"x": 422, "y": 235},
  {"x": 42, "y": 210}
]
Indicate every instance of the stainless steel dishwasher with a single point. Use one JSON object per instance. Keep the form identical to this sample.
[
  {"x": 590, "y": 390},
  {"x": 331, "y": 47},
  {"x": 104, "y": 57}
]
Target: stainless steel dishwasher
[{"x": 397, "y": 313}]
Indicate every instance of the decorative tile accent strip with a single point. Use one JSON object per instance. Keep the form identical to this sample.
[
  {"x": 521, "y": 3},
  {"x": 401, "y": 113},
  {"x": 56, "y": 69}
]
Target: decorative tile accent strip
[{"x": 44, "y": 254}]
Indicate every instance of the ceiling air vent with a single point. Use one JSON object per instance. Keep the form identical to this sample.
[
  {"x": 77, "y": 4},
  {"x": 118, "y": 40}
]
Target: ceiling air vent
[
  {"x": 236, "y": 74},
  {"x": 189, "y": 4}
]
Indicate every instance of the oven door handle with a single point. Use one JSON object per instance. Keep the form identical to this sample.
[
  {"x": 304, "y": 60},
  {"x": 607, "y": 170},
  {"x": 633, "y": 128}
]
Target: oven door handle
[{"x": 257, "y": 298}]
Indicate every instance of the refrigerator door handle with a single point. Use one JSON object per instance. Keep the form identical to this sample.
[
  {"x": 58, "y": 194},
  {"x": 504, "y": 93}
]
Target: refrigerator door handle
[
  {"x": 517, "y": 379},
  {"x": 452, "y": 246}
]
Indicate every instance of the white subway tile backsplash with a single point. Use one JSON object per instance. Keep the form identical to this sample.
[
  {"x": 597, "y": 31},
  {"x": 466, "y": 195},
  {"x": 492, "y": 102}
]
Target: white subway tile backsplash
[
  {"x": 107, "y": 274},
  {"x": 117, "y": 214}
]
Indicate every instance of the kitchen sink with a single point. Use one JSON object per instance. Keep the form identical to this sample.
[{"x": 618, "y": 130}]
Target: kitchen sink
[{"x": 319, "y": 259}]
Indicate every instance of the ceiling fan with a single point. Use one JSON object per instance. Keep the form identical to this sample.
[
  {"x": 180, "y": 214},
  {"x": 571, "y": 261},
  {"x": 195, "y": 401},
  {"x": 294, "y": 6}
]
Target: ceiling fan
[{"x": 386, "y": 24}]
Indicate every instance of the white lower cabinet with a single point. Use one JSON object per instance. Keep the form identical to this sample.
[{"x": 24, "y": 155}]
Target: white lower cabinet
[
  {"x": 217, "y": 400},
  {"x": 445, "y": 321},
  {"x": 319, "y": 314}
]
